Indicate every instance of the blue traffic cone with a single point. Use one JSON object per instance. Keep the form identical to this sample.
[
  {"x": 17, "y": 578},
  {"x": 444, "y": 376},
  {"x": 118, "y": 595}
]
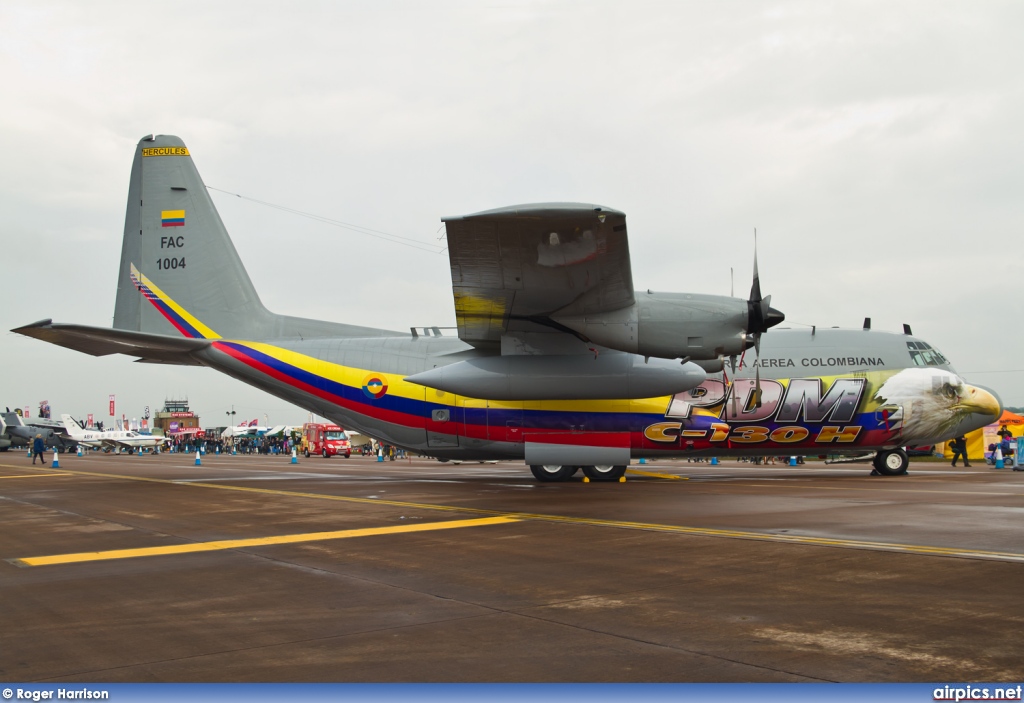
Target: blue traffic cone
[
  {"x": 295, "y": 458},
  {"x": 56, "y": 461},
  {"x": 29, "y": 452},
  {"x": 714, "y": 461},
  {"x": 643, "y": 460},
  {"x": 792, "y": 461},
  {"x": 233, "y": 451},
  {"x": 79, "y": 450},
  {"x": 198, "y": 460}
]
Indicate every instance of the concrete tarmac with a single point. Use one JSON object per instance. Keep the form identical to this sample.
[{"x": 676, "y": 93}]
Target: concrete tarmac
[{"x": 149, "y": 568}]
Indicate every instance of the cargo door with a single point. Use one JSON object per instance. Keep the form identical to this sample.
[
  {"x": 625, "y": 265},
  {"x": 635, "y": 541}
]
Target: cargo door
[{"x": 505, "y": 420}]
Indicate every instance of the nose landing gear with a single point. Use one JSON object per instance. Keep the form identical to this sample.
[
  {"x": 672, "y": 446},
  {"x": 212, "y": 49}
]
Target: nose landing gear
[{"x": 891, "y": 462}]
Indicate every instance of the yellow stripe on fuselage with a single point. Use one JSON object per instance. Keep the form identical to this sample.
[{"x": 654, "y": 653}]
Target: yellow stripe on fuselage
[
  {"x": 399, "y": 387},
  {"x": 185, "y": 314}
]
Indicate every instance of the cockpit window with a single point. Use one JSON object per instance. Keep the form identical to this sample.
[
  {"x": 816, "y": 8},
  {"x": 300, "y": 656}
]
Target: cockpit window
[{"x": 922, "y": 354}]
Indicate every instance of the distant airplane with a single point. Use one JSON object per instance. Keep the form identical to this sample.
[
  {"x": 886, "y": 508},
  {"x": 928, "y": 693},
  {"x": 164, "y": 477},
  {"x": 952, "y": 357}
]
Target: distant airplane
[
  {"x": 558, "y": 361},
  {"x": 109, "y": 439},
  {"x": 20, "y": 431}
]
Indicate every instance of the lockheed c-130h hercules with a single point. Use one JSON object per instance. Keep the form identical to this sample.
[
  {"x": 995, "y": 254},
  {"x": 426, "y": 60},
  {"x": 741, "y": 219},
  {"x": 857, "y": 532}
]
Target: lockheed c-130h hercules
[{"x": 559, "y": 361}]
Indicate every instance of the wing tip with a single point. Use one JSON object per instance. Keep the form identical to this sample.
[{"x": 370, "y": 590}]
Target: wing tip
[{"x": 41, "y": 324}]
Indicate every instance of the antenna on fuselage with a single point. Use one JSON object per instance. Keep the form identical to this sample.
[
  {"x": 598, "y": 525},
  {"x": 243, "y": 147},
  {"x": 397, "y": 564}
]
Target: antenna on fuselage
[
  {"x": 906, "y": 329},
  {"x": 867, "y": 323}
]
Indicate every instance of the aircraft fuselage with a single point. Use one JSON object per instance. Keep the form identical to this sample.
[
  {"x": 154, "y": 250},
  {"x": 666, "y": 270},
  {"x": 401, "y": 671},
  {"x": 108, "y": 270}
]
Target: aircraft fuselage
[{"x": 819, "y": 395}]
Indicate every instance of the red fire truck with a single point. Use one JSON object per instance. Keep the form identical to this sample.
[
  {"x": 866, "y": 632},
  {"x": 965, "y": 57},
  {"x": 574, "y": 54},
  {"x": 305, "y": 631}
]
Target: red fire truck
[{"x": 325, "y": 440}]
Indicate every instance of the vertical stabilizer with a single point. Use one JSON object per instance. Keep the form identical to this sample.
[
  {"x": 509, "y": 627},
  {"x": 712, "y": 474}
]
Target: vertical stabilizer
[
  {"x": 74, "y": 430},
  {"x": 175, "y": 239}
]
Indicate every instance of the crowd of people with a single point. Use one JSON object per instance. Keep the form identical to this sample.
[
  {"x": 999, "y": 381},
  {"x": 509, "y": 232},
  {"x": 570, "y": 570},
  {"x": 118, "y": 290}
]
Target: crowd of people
[{"x": 242, "y": 445}]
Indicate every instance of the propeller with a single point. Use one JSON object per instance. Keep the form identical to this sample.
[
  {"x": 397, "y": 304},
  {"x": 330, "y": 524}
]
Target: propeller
[{"x": 760, "y": 317}]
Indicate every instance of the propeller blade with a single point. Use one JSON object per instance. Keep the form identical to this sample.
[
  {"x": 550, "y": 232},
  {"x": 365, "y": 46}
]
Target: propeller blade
[
  {"x": 757, "y": 387},
  {"x": 760, "y": 314},
  {"x": 755, "y": 289}
]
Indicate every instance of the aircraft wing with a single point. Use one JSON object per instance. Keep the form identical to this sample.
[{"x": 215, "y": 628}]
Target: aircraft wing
[
  {"x": 527, "y": 262},
  {"x": 101, "y": 341}
]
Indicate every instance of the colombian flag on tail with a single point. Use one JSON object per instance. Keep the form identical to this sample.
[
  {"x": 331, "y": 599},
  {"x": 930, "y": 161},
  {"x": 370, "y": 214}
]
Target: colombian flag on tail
[{"x": 172, "y": 218}]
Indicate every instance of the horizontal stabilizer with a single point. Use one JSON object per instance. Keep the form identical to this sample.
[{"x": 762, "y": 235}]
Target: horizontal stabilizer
[{"x": 102, "y": 341}]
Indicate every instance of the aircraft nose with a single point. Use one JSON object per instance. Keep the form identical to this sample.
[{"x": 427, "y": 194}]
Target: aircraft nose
[{"x": 983, "y": 407}]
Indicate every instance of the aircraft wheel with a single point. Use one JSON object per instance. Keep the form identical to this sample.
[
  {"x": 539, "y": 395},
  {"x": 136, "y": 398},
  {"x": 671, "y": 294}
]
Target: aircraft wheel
[
  {"x": 549, "y": 473},
  {"x": 892, "y": 462},
  {"x": 604, "y": 472}
]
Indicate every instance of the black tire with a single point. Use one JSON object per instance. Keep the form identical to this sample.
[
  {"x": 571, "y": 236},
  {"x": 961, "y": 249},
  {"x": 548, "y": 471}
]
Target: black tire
[
  {"x": 550, "y": 473},
  {"x": 307, "y": 452},
  {"x": 604, "y": 472},
  {"x": 891, "y": 462},
  {"x": 323, "y": 453}
]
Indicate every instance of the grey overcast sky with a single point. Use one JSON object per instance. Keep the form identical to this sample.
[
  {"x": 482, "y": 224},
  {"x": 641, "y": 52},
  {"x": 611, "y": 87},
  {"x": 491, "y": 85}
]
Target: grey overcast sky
[{"x": 876, "y": 146}]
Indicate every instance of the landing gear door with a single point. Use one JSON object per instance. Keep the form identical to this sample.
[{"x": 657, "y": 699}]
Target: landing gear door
[{"x": 443, "y": 418}]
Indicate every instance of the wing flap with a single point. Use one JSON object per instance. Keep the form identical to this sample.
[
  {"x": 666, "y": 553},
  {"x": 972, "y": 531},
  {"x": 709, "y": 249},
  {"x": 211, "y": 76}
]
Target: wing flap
[{"x": 102, "y": 341}]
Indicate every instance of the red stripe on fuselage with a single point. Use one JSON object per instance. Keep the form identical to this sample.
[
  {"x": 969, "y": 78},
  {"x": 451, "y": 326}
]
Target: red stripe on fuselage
[
  {"x": 589, "y": 439},
  {"x": 460, "y": 428},
  {"x": 398, "y": 418}
]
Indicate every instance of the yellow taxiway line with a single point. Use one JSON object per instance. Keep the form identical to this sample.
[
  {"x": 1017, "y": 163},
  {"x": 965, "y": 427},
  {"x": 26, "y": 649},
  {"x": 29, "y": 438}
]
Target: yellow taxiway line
[
  {"x": 638, "y": 472},
  {"x": 594, "y": 522},
  {"x": 256, "y": 542},
  {"x": 871, "y": 488},
  {"x": 38, "y": 475}
]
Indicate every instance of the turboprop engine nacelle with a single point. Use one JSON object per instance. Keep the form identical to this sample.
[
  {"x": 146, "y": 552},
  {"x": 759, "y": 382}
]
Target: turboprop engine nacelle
[
  {"x": 676, "y": 325},
  {"x": 611, "y": 376}
]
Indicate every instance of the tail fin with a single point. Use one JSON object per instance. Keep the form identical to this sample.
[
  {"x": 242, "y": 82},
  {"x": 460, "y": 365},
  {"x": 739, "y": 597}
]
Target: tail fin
[
  {"x": 73, "y": 428},
  {"x": 175, "y": 239},
  {"x": 180, "y": 274}
]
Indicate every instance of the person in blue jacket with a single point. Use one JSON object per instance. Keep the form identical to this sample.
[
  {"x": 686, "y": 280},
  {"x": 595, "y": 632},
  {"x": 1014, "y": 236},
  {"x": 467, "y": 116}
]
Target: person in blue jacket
[{"x": 37, "y": 449}]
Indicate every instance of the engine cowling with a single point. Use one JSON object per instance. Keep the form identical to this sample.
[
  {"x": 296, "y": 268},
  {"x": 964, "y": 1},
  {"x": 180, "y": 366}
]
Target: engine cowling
[{"x": 676, "y": 325}]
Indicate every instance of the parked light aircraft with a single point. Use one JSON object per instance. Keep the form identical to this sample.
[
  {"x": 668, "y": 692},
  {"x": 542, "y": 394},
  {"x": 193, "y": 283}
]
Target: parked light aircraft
[
  {"x": 109, "y": 439},
  {"x": 559, "y": 361}
]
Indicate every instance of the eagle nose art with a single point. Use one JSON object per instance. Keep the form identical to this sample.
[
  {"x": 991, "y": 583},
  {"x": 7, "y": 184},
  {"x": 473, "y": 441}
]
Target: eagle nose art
[{"x": 981, "y": 402}]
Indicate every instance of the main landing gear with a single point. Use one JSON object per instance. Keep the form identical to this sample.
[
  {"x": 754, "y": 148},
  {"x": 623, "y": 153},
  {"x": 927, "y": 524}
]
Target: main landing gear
[
  {"x": 550, "y": 473},
  {"x": 891, "y": 462}
]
